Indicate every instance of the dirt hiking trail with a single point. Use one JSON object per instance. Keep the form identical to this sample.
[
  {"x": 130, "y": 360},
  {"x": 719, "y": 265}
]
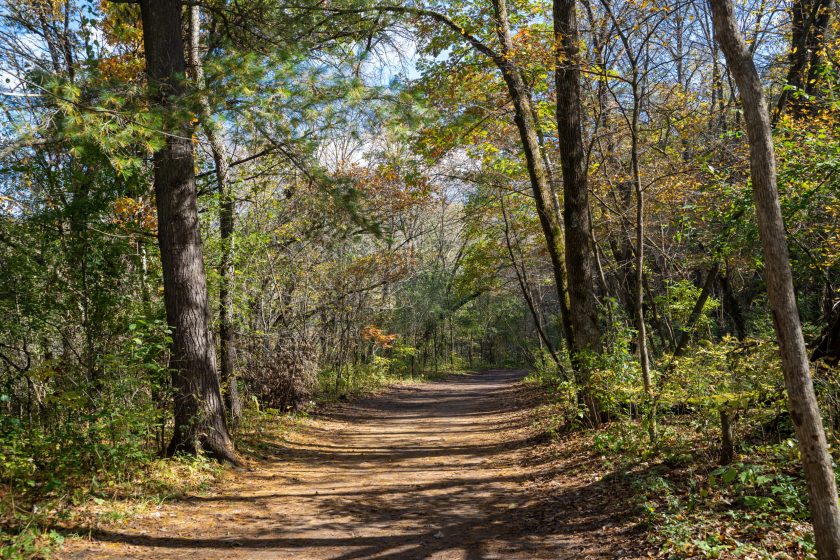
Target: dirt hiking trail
[{"x": 442, "y": 470}]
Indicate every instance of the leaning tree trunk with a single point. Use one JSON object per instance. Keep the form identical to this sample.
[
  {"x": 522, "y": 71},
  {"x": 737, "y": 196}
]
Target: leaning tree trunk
[
  {"x": 199, "y": 411},
  {"x": 226, "y": 228},
  {"x": 542, "y": 192},
  {"x": 577, "y": 229},
  {"x": 804, "y": 411}
]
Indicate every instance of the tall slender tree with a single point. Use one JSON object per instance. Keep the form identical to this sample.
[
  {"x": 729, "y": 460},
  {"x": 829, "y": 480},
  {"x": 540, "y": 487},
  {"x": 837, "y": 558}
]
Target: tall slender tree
[
  {"x": 537, "y": 172},
  {"x": 227, "y": 210},
  {"x": 819, "y": 473}
]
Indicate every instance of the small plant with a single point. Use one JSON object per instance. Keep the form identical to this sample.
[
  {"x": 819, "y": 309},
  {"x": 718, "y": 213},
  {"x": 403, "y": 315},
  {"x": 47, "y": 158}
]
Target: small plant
[{"x": 29, "y": 544}]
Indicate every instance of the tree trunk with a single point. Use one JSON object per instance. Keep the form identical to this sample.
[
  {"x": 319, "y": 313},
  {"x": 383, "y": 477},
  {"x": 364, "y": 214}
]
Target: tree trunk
[
  {"x": 639, "y": 294},
  {"x": 577, "y": 228},
  {"x": 809, "y": 24},
  {"x": 526, "y": 124},
  {"x": 199, "y": 411},
  {"x": 828, "y": 347},
  {"x": 527, "y": 127},
  {"x": 524, "y": 286},
  {"x": 804, "y": 411},
  {"x": 732, "y": 307},
  {"x": 227, "y": 202},
  {"x": 727, "y": 437}
]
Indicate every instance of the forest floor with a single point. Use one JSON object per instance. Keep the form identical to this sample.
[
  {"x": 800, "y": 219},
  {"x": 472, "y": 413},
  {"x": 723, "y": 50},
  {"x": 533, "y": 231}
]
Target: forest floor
[{"x": 453, "y": 469}]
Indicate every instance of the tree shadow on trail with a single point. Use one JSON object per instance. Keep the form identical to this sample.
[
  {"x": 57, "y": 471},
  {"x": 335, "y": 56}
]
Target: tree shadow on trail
[
  {"x": 448, "y": 499},
  {"x": 466, "y": 518}
]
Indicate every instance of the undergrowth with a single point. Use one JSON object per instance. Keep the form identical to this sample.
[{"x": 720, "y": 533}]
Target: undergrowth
[
  {"x": 35, "y": 525},
  {"x": 695, "y": 502},
  {"x": 755, "y": 507},
  {"x": 43, "y": 503}
]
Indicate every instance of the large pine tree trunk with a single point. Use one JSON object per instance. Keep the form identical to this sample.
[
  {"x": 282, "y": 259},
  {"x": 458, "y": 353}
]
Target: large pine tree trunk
[
  {"x": 822, "y": 486},
  {"x": 199, "y": 411}
]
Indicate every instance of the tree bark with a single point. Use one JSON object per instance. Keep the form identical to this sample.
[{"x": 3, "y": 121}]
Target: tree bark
[
  {"x": 527, "y": 127},
  {"x": 804, "y": 411},
  {"x": 577, "y": 228},
  {"x": 809, "y": 24},
  {"x": 227, "y": 333},
  {"x": 199, "y": 411}
]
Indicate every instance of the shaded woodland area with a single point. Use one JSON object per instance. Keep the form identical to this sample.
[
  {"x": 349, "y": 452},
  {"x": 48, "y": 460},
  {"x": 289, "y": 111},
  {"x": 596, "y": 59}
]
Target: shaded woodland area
[{"x": 219, "y": 215}]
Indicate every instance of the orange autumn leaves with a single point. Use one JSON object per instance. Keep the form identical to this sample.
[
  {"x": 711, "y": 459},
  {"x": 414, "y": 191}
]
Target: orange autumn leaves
[
  {"x": 134, "y": 215},
  {"x": 378, "y": 336},
  {"x": 122, "y": 32},
  {"x": 385, "y": 187}
]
